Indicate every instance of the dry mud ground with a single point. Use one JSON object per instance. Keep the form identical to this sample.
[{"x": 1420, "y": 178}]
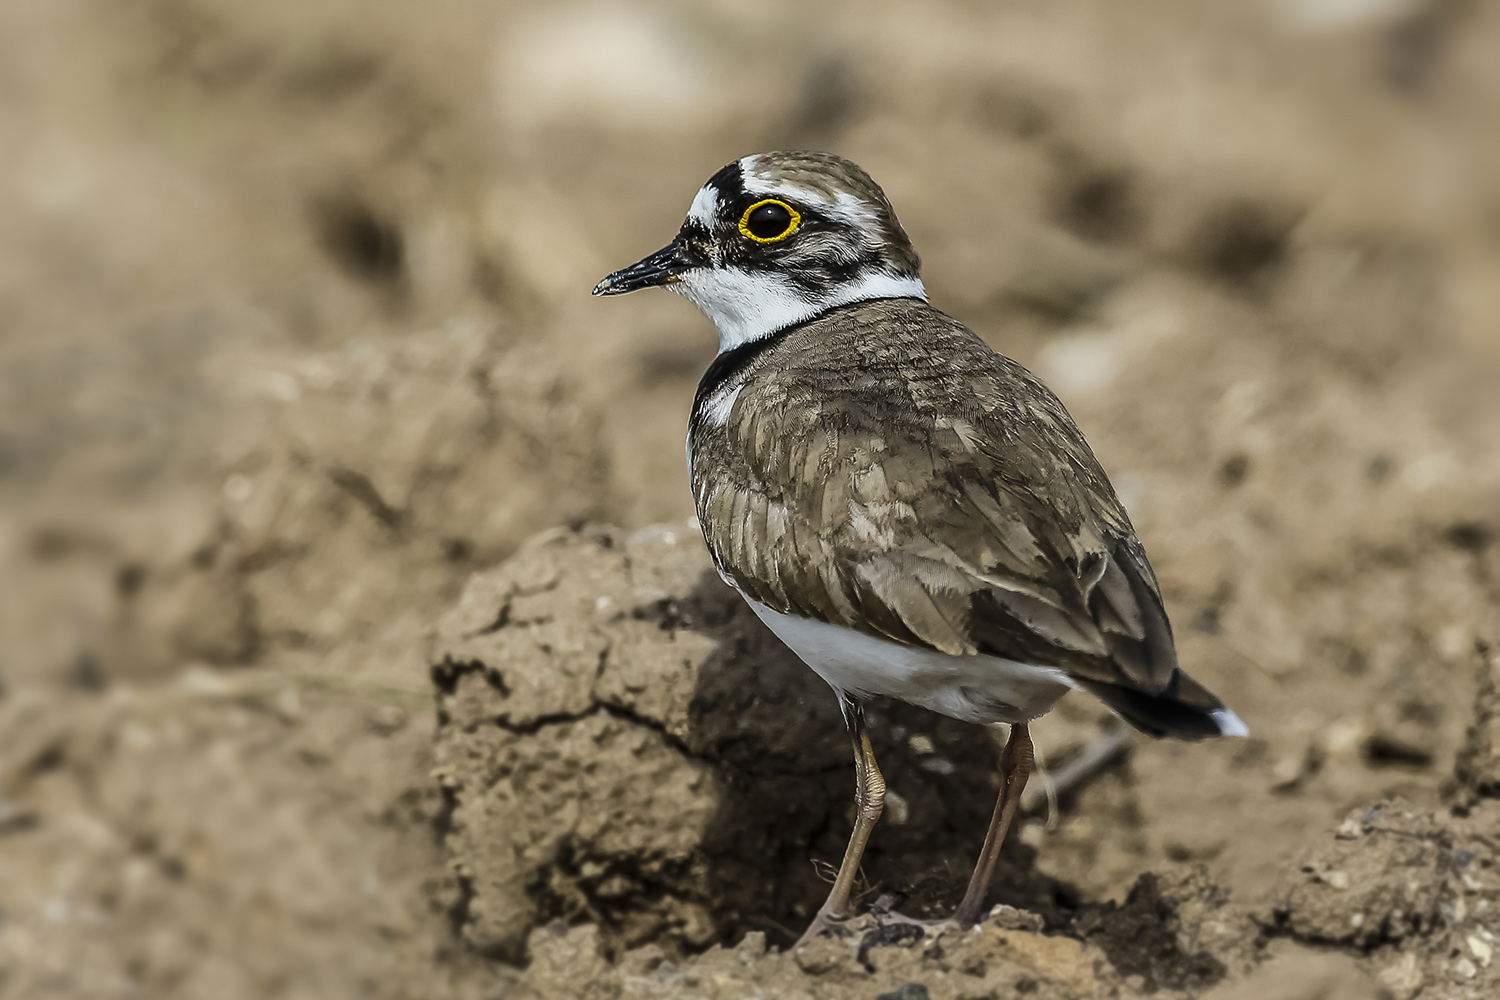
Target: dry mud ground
[{"x": 296, "y": 355}]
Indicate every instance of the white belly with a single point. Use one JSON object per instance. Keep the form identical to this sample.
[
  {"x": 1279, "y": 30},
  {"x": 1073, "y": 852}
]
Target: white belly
[{"x": 981, "y": 689}]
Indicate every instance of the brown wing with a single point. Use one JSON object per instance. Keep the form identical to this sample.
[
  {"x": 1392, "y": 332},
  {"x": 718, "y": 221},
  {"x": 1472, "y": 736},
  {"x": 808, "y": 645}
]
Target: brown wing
[{"x": 933, "y": 493}]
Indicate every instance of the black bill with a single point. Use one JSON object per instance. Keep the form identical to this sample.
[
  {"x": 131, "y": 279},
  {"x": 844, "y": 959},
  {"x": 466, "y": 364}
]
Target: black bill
[{"x": 660, "y": 268}]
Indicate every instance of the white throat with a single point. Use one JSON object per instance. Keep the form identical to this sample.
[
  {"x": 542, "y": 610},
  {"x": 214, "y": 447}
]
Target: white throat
[{"x": 748, "y": 305}]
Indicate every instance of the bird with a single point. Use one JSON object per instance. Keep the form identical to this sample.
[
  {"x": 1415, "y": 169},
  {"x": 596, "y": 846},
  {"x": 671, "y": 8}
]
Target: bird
[{"x": 915, "y": 515}]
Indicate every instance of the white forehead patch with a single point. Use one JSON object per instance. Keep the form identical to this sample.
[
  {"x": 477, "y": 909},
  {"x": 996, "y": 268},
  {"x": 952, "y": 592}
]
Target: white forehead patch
[{"x": 705, "y": 206}]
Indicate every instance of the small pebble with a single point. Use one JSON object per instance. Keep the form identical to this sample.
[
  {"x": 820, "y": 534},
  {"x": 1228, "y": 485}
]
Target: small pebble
[
  {"x": 752, "y": 947},
  {"x": 897, "y": 811},
  {"x": 1287, "y": 771},
  {"x": 1481, "y": 950},
  {"x": 820, "y": 957},
  {"x": 1403, "y": 977},
  {"x": 388, "y": 719},
  {"x": 1013, "y": 918}
]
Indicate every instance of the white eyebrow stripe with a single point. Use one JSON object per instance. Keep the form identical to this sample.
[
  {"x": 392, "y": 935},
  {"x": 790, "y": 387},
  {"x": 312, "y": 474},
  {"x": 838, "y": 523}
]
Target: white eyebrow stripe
[
  {"x": 853, "y": 210},
  {"x": 845, "y": 207},
  {"x": 705, "y": 206},
  {"x": 754, "y": 184},
  {"x": 765, "y": 189}
]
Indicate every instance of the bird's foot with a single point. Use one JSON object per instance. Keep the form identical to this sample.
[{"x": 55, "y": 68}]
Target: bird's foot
[
  {"x": 932, "y": 925},
  {"x": 885, "y": 913},
  {"x": 824, "y": 924},
  {"x": 1000, "y": 915}
]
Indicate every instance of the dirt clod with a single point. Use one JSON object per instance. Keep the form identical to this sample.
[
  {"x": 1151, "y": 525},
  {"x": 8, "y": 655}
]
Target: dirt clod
[
  {"x": 1141, "y": 939},
  {"x": 625, "y": 744},
  {"x": 1377, "y": 887}
]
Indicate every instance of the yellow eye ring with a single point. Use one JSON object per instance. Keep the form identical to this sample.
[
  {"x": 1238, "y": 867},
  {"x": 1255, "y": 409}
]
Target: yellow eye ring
[{"x": 794, "y": 219}]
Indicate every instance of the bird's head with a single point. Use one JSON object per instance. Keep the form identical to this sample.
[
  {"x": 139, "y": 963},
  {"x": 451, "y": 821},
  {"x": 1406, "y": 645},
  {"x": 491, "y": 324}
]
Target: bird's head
[{"x": 775, "y": 239}]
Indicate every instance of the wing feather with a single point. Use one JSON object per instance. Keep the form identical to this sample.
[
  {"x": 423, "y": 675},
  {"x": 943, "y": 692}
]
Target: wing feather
[{"x": 929, "y": 505}]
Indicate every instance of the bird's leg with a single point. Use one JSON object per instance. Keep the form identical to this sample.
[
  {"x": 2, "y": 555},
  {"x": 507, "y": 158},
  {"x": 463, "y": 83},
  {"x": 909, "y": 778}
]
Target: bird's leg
[
  {"x": 869, "y": 799},
  {"x": 1015, "y": 768}
]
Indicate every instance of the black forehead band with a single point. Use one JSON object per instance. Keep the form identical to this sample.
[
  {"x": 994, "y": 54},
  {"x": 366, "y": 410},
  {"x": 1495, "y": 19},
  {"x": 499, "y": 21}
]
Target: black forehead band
[{"x": 730, "y": 183}]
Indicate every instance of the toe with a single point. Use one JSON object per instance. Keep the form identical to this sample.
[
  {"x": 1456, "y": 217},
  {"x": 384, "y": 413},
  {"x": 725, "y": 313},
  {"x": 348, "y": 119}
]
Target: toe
[{"x": 823, "y": 925}]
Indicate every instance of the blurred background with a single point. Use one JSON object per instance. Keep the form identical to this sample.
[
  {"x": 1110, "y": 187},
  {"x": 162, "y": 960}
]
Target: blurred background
[{"x": 295, "y": 335}]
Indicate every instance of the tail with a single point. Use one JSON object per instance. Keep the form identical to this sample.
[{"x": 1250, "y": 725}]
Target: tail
[{"x": 1184, "y": 709}]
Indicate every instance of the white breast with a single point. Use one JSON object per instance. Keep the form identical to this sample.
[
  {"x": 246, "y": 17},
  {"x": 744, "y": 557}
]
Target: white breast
[{"x": 978, "y": 688}]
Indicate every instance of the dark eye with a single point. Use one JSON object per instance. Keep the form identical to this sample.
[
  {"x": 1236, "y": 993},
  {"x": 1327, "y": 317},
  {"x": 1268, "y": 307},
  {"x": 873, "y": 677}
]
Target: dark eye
[{"x": 768, "y": 221}]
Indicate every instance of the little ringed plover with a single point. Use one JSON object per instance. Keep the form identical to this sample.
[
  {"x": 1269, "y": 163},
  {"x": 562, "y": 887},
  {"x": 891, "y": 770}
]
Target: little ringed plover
[{"x": 912, "y": 513}]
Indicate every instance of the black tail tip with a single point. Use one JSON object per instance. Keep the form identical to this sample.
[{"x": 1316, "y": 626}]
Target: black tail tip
[{"x": 1184, "y": 711}]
